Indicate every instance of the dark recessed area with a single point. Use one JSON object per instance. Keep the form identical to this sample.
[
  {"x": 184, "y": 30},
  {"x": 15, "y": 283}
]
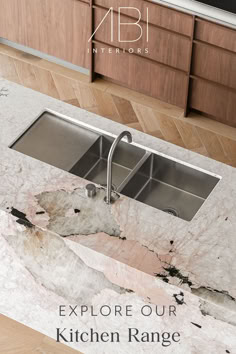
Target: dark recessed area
[{"x": 227, "y": 5}]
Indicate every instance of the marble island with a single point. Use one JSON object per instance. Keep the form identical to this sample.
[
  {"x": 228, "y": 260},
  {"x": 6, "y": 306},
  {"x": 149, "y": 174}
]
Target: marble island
[{"x": 60, "y": 248}]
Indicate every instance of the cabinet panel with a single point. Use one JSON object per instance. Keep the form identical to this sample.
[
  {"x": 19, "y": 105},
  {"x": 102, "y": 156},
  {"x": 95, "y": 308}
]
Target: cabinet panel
[
  {"x": 58, "y": 28},
  {"x": 216, "y": 34},
  {"x": 155, "y": 43},
  {"x": 214, "y": 64},
  {"x": 158, "y": 15},
  {"x": 214, "y": 100},
  {"x": 141, "y": 75}
]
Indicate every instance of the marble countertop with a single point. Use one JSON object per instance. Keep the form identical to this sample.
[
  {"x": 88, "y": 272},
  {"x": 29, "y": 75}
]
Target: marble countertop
[
  {"x": 202, "y": 10},
  {"x": 128, "y": 243}
]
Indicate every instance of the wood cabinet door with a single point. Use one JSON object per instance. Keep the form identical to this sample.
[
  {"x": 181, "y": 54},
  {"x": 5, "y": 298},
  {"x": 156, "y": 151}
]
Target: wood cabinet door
[
  {"x": 216, "y": 35},
  {"x": 217, "y": 101},
  {"x": 159, "y": 15},
  {"x": 56, "y": 27},
  {"x": 155, "y": 43},
  {"x": 141, "y": 75},
  {"x": 214, "y": 64}
]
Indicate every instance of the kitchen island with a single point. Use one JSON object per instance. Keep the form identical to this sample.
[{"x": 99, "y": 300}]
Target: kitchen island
[{"x": 127, "y": 252}]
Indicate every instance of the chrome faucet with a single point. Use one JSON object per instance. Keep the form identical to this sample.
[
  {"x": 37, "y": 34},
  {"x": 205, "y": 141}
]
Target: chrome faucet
[{"x": 108, "y": 198}]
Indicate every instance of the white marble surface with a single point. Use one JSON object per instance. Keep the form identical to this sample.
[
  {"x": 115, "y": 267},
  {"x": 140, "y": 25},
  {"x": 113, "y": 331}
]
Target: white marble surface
[
  {"x": 40, "y": 271},
  {"x": 202, "y": 10},
  {"x": 196, "y": 256}
]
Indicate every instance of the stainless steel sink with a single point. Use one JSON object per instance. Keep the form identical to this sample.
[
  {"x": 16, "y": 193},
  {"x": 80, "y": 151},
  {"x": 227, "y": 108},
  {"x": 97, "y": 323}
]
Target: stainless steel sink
[
  {"x": 150, "y": 178},
  {"x": 170, "y": 186},
  {"x": 55, "y": 140},
  {"x": 93, "y": 165}
]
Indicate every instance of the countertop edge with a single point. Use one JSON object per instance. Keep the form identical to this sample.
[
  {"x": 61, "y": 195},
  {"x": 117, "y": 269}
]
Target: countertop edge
[{"x": 218, "y": 16}]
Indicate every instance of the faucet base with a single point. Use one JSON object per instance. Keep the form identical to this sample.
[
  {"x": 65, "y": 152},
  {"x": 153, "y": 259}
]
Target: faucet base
[{"x": 112, "y": 200}]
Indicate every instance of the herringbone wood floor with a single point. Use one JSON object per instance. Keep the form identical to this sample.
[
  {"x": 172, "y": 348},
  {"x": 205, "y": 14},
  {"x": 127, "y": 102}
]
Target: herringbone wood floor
[
  {"x": 16, "y": 338},
  {"x": 196, "y": 133}
]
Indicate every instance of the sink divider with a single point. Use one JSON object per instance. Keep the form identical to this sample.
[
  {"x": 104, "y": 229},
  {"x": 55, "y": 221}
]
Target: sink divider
[
  {"x": 133, "y": 172},
  {"x": 98, "y": 141}
]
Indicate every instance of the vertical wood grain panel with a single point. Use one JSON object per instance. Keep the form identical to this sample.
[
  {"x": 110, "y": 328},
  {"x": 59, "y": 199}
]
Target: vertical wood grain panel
[
  {"x": 58, "y": 28},
  {"x": 158, "y": 14},
  {"x": 142, "y": 75},
  {"x": 214, "y": 64},
  {"x": 215, "y": 34},
  {"x": 190, "y": 56},
  {"x": 214, "y": 100},
  {"x": 90, "y": 47},
  {"x": 162, "y": 46}
]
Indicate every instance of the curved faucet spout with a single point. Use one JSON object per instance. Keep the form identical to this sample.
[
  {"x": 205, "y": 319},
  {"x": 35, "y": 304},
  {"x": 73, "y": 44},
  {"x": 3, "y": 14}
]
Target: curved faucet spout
[{"x": 109, "y": 162}]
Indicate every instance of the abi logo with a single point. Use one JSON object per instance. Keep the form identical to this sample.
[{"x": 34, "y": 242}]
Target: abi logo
[{"x": 110, "y": 13}]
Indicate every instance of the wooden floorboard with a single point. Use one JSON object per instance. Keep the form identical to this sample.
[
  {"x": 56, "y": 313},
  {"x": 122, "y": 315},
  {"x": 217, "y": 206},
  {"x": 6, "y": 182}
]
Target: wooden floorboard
[{"x": 19, "y": 339}]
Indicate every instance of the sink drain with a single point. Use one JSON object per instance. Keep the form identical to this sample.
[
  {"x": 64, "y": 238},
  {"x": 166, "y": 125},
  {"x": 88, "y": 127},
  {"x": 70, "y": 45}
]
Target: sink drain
[{"x": 171, "y": 211}]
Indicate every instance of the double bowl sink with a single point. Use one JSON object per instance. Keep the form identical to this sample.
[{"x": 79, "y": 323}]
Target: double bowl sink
[{"x": 139, "y": 173}]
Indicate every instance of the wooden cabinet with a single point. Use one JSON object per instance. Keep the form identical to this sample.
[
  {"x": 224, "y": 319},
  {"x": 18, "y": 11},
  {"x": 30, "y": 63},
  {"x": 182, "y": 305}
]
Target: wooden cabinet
[
  {"x": 155, "y": 43},
  {"x": 56, "y": 27},
  {"x": 158, "y": 15},
  {"x": 181, "y": 59},
  {"x": 213, "y": 72},
  {"x": 214, "y": 64},
  {"x": 215, "y": 34},
  {"x": 215, "y": 100},
  {"x": 142, "y": 75},
  {"x": 156, "y": 64}
]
